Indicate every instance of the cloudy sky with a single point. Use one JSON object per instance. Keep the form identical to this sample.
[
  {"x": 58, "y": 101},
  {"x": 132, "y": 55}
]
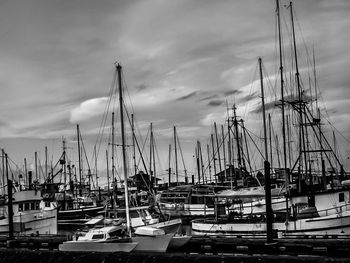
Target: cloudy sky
[{"x": 183, "y": 62}]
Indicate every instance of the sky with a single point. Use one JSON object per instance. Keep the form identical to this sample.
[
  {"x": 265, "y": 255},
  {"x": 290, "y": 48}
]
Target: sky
[{"x": 184, "y": 62}]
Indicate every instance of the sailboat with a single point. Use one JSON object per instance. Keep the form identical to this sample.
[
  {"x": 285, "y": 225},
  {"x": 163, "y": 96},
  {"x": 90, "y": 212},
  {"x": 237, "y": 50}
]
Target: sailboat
[{"x": 316, "y": 204}]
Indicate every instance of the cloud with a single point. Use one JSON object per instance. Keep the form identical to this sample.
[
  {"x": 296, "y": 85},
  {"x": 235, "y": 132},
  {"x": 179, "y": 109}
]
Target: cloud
[
  {"x": 88, "y": 109},
  {"x": 216, "y": 103},
  {"x": 187, "y": 96}
]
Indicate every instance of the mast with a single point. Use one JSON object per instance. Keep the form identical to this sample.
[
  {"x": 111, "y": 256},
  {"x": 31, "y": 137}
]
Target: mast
[
  {"x": 223, "y": 149},
  {"x": 150, "y": 155},
  {"x": 108, "y": 189},
  {"x": 270, "y": 139},
  {"x": 263, "y": 108},
  {"x": 213, "y": 150},
  {"x": 176, "y": 168},
  {"x": 235, "y": 123},
  {"x": 217, "y": 145},
  {"x": 79, "y": 159},
  {"x": 201, "y": 160},
  {"x": 300, "y": 102},
  {"x": 25, "y": 171},
  {"x": 282, "y": 84},
  {"x": 113, "y": 144},
  {"x": 169, "y": 174},
  {"x": 209, "y": 164},
  {"x": 36, "y": 166},
  {"x": 3, "y": 167},
  {"x": 45, "y": 162},
  {"x": 198, "y": 163},
  {"x": 96, "y": 166},
  {"x": 121, "y": 109},
  {"x": 133, "y": 143}
]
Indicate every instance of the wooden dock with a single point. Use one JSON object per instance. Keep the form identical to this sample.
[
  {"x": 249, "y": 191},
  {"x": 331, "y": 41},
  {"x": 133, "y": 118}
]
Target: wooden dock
[{"x": 324, "y": 246}]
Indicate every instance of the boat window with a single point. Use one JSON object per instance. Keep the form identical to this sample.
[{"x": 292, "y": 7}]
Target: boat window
[
  {"x": 20, "y": 207},
  {"x": 97, "y": 236},
  {"x": 32, "y": 206},
  {"x": 47, "y": 204},
  {"x": 341, "y": 197},
  {"x": 134, "y": 214},
  {"x": 37, "y": 205},
  {"x": 116, "y": 233},
  {"x": 26, "y": 206}
]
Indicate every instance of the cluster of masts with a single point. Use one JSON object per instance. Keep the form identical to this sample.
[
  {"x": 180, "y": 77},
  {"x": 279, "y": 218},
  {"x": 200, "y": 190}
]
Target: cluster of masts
[{"x": 220, "y": 152}]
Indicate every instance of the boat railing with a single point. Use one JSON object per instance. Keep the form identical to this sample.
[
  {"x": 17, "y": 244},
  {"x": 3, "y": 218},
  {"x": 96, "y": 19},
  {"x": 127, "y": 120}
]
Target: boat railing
[{"x": 334, "y": 210}]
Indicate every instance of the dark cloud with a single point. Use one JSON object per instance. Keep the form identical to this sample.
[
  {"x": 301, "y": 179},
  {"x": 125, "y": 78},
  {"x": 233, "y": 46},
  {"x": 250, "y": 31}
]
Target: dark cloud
[
  {"x": 249, "y": 97},
  {"x": 209, "y": 97},
  {"x": 268, "y": 106},
  {"x": 141, "y": 87},
  {"x": 215, "y": 103},
  {"x": 231, "y": 92},
  {"x": 187, "y": 96}
]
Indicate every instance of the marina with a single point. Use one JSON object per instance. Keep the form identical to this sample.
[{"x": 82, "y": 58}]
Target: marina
[{"x": 259, "y": 174}]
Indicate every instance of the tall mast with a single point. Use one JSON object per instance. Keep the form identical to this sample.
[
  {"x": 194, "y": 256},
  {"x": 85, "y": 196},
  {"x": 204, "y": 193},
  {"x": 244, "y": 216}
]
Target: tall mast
[
  {"x": 270, "y": 140},
  {"x": 235, "y": 123},
  {"x": 25, "y": 171},
  {"x": 133, "y": 143},
  {"x": 36, "y": 166},
  {"x": 79, "y": 160},
  {"x": 121, "y": 109},
  {"x": 209, "y": 164},
  {"x": 201, "y": 160},
  {"x": 213, "y": 150},
  {"x": 300, "y": 102},
  {"x": 3, "y": 168},
  {"x": 45, "y": 162},
  {"x": 150, "y": 154},
  {"x": 96, "y": 166},
  {"x": 113, "y": 145},
  {"x": 263, "y": 108},
  {"x": 217, "y": 145},
  {"x": 108, "y": 189},
  {"x": 198, "y": 163},
  {"x": 282, "y": 84},
  {"x": 169, "y": 174},
  {"x": 223, "y": 149},
  {"x": 176, "y": 168}
]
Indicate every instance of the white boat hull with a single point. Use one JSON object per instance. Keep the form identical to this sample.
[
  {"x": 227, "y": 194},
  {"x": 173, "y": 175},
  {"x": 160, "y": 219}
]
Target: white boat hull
[
  {"x": 327, "y": 225},
  {"x": 97, "y": 246},
  {"x": 186, "y": 209},
  {"x": 152, "y": 243}
]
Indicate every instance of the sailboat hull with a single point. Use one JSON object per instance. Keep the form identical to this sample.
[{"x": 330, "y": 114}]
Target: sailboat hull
[
  {"x": 152, "y": 243},
  {"x": 328, "y": 225}
]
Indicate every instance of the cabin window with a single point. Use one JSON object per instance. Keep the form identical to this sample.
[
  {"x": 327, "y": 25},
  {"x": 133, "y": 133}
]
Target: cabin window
[
  {"x": 20, "y": 207},
  {"x": 116, "y": 233},
  {"x": 341, "y": 197},
  {"x": 32, "y": 206},
  {"x": 97, "y": 236},
  {"x": 37, "y": 205},
  {"x": 47, "y": 204},
  {"x": 26, "y": 206}
]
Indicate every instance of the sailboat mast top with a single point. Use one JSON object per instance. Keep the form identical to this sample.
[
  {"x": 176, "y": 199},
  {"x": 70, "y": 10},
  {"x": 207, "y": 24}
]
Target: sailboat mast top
[
  {"x": 121, "y": 109},
  {"x": 282, "y": 84}
]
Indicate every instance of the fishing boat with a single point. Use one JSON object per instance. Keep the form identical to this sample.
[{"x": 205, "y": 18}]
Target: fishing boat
[
  {"x": 317, "y": 202},
  {"x": 189, "y": 200},
  {"x": 31, "y": 214}
]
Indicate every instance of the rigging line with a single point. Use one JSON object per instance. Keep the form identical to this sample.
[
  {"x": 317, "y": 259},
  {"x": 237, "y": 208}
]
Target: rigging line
[
  {"x": 250, "y": 92},
  {"x": 137, "y": 143},
  {"x": 105, "y": 114},
  {"x": 182, "y": 157},
  {"x": 336, "y": 129}
]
